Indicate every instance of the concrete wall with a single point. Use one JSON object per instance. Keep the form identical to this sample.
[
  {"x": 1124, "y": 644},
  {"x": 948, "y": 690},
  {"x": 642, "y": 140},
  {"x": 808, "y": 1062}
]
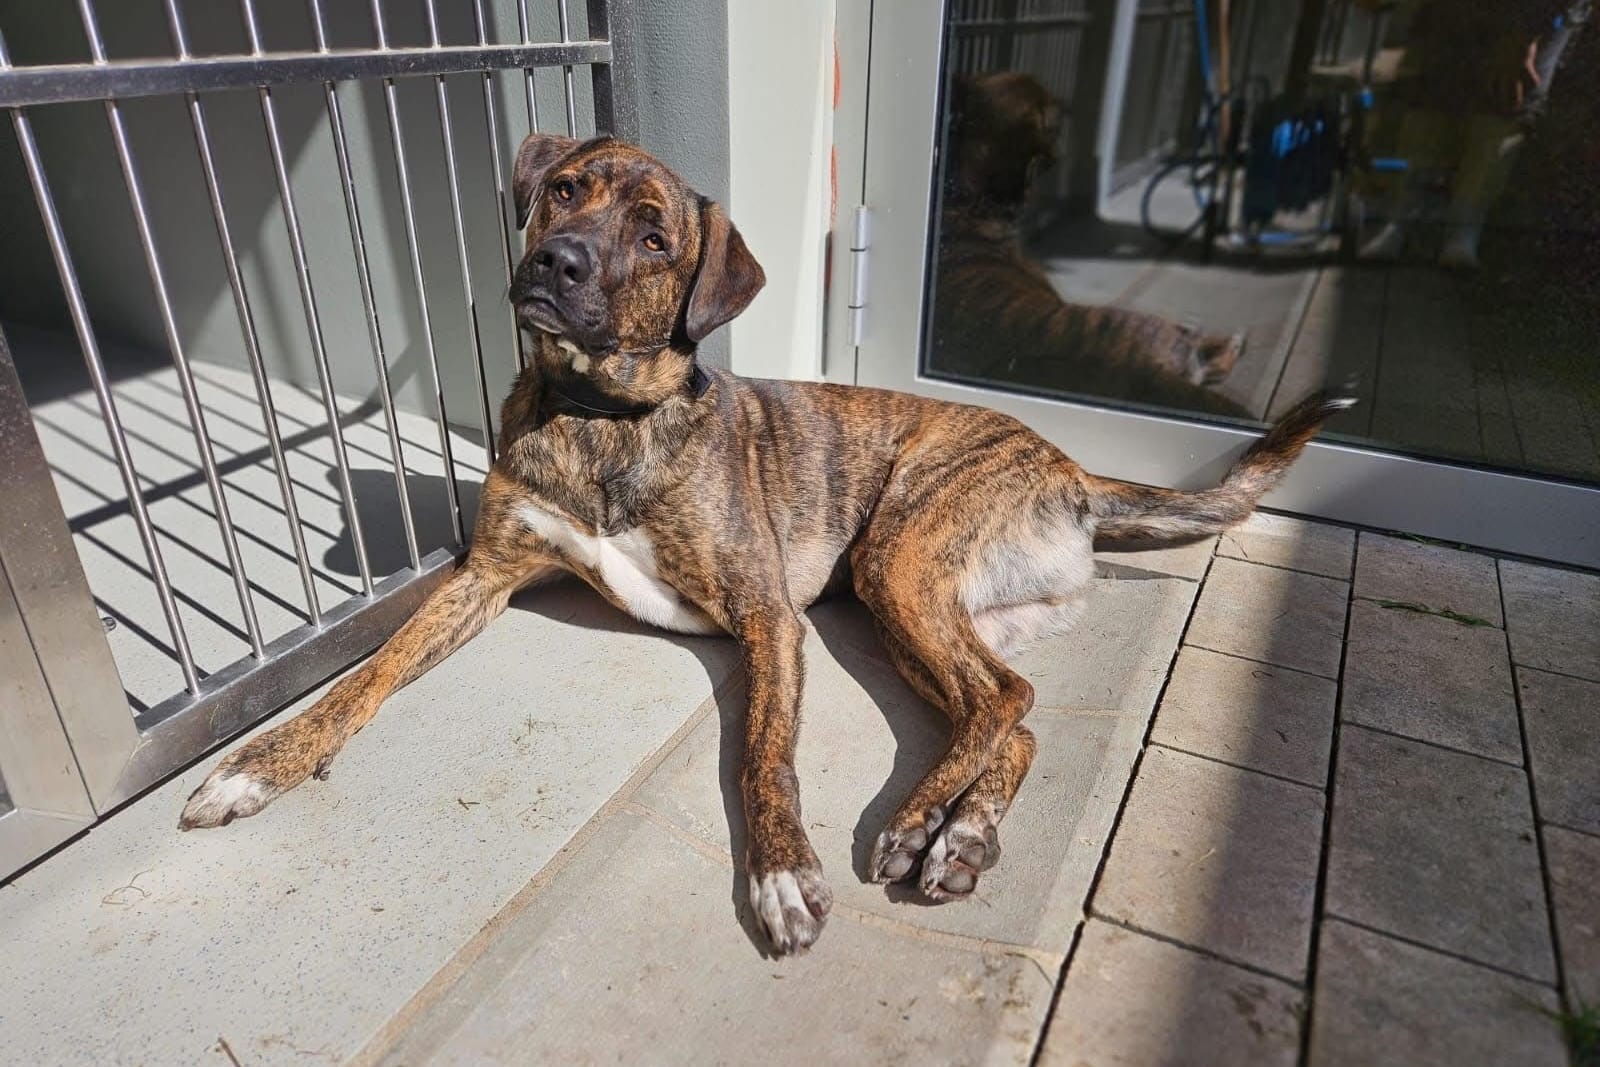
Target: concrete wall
[{"x": 683, "y": 107}]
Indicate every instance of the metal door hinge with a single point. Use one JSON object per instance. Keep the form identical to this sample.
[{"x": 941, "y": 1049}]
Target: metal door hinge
[{"x": 860, "y": 241}]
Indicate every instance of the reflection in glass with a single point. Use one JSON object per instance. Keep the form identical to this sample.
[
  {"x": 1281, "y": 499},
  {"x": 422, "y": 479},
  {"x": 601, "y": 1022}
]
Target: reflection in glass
[{"x": 1167, "y": 208}]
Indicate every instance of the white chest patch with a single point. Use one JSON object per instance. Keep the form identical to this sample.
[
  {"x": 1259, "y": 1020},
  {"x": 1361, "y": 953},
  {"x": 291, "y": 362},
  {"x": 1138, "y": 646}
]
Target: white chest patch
[{"x": 626, "y": 563}]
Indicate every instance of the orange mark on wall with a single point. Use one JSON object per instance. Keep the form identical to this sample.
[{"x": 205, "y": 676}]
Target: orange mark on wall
[{"x": 833, "y": 173}]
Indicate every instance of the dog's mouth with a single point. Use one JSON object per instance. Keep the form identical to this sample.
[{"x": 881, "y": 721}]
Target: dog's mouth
[{"x": 539, "y": 313}]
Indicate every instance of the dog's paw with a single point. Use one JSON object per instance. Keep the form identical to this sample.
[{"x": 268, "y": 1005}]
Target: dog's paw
[
  {"x": 228, "y": 793},
  {"x": 897, "y": 850},
  {"x": 792, "y": 907},
  {"x": 969, "y": 845}
]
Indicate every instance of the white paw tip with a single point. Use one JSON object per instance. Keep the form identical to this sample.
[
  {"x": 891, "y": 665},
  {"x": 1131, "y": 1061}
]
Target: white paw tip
[
  {"x": 792, "y": 922},
  {"x": 222, "y": 797}
]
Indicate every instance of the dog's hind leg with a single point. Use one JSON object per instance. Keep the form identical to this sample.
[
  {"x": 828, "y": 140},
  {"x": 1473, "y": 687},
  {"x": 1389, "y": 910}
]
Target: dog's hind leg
[
  {"x": 969, "y": 842},
  {"x": 977, "y": 545},
  {"x": 932, "y": 639}
]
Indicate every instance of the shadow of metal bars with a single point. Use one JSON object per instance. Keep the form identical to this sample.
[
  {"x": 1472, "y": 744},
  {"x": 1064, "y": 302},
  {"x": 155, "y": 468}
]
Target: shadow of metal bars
[{"x": 279, "y": 667}]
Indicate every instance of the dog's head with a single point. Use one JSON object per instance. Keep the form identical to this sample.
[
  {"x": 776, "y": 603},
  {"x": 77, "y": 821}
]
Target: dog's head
[
  {"x": 1004, "y": 128},
  {"x": 625, "y": 268}
]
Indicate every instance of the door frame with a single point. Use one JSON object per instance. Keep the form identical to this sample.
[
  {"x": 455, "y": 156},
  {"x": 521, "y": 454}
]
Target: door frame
[{"x": 1506, "y": 512}]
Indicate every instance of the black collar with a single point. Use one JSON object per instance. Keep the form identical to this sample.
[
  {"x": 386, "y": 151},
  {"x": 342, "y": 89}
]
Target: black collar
[{"x": 580, "y": 393}]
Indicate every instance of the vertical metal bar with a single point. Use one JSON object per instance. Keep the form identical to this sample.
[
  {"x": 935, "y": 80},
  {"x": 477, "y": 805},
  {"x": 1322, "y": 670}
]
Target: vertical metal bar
[
  {"x": 616, "y": 105},
  {"x": 369, "y": 303},
  {"x": 247, "y": 324},
  {"x": 495, "y": 165},
  {"x": 102, "y": 388},
  {"x": 308, "y": 299},
  {"x": 566, "y": 71},
  {"x": 527, "y": 72},
  {"x": 442, "y": 96},
  {"x": 180, "y": 361},
  {"x": 419, "y": 281}
]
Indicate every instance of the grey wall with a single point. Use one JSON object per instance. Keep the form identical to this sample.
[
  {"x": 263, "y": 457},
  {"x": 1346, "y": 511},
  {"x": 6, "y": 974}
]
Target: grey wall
[
  {"x": 683, "y": 102},
  {"x": 682, "y": 80}
]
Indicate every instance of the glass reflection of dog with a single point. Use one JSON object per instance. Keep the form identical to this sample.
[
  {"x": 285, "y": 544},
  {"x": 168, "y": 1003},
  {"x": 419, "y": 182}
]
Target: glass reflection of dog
[{"x": 996, "y": 313}]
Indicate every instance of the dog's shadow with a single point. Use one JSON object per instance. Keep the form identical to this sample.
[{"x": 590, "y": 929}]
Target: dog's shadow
[{"x": 844, "y": 628}]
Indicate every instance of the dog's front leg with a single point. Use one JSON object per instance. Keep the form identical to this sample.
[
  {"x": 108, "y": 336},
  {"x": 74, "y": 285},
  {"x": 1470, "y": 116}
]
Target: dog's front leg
[
  {"x": 270, "y": 765},
  {"x": 787, "y": 891}
]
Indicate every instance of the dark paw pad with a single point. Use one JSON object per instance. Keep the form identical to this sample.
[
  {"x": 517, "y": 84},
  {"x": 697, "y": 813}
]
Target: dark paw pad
[{"x": 966, "y": 848}]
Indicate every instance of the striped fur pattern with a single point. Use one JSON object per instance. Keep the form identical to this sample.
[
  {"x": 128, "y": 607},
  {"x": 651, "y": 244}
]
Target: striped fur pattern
[{"x": 735, "y": 507}]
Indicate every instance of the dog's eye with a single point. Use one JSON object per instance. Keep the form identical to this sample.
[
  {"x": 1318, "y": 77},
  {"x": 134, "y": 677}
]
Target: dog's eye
[
  {"x": 564, "y": 189},
  {"x": 654, "y": 243}
]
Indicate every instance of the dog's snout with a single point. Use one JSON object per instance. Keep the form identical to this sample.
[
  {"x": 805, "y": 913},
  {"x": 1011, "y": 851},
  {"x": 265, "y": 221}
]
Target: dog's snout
[{"x": 565, "y": 262}]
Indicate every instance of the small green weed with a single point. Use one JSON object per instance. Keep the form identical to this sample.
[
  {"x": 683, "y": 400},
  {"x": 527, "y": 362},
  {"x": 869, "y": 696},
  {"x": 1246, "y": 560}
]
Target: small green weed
[{"x": 1443, "y": 613}]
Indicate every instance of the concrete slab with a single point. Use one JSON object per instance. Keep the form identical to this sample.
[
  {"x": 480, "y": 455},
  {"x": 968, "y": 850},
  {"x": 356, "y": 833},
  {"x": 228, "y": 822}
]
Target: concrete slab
[
  {"x": 1279, "y": 541},
  {"x": 632, "y": 954},
  {"x": 1133, "y": 1001},
  {"x": 1181, "y": 561},
  {"x": 1116, "y": 657},
  {"x": 1265, "y": 718},
  {"x": 1432, "y": 679},
  {"x": 1384, "y": 1003},
  {"x": 1271, "y": 615},
  {"x": 865, "y": 741},
  {"x": 1438, "y": 847},
  {"x": 1562, "y": 716},
  {"x": 1219, "y": 858},
  {"x": 1574, "y": 860},
  {"x": 1392, "y": 568},
  {"x": 302, "y": 930},
  {"x": 1553, "y": 618}
]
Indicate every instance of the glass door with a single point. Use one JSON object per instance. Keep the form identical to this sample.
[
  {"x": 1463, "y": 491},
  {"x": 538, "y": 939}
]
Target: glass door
[{"x": 1147, "y": 230}]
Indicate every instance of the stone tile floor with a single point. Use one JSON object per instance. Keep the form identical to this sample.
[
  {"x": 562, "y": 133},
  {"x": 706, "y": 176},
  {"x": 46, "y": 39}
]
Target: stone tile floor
[{"x": 1304, "y": 795}]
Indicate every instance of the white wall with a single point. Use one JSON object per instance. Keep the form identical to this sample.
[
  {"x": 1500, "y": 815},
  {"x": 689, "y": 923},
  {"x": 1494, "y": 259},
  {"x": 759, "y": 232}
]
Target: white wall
[{"x": 780, "y": 125}]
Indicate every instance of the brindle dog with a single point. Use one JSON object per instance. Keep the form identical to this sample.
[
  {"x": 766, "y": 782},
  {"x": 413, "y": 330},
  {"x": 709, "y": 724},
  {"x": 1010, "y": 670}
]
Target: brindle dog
[
  {"x": 706, "y": 503},
  {"x": 996, "y": 313}
]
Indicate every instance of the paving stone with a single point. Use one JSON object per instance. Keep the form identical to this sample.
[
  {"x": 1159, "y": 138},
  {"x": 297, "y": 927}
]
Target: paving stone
[
  {"x": 1393, "y": 568},
  {"x": 1431, "y": 678},
  {"x": 309, "y": 925},
  {"x": 641, "y": 950},
  {"x": 1574, "y": 860},
  {"x": 1313, "y": 547},
  {"x": 1384, "y": 1003},
  {"x": 1118, "y": 655},
  {"x": 1134, "y": 1001},
  {"x": 1563, "y": 721},
  {"x": 1553, "y": 618},
  {"x": 1180, "y": 561},
  {"x": 1269, "y": 719},
  {"x": 1438, "y": 847},
  {"x": 1272, "y": 615},
  {"x": 1219, "y": 858},
  {"x": 865, "y": 741}
]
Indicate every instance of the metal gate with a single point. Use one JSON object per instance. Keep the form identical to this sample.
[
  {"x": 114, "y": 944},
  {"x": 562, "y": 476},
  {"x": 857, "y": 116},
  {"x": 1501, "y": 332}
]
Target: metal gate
[{"x": 75, "y": 740}]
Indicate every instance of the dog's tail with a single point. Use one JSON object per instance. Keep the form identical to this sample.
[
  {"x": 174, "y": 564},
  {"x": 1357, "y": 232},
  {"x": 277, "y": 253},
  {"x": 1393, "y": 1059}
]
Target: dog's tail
[{"x": 1124, "y": 511}]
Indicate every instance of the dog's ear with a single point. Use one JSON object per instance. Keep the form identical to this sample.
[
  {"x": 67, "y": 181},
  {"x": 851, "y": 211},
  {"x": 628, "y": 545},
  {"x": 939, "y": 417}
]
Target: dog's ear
[
  {"x": 728, "y": 278},
  {"x": 538, "y": 154}
]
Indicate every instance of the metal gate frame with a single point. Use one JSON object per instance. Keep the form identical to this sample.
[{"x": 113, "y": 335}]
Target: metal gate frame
[{"x": 65, "y": 687}]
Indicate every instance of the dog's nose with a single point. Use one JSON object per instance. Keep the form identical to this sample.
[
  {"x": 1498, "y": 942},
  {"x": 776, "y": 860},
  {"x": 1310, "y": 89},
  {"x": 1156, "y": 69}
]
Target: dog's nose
[{"x": 565, "y": 262}]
